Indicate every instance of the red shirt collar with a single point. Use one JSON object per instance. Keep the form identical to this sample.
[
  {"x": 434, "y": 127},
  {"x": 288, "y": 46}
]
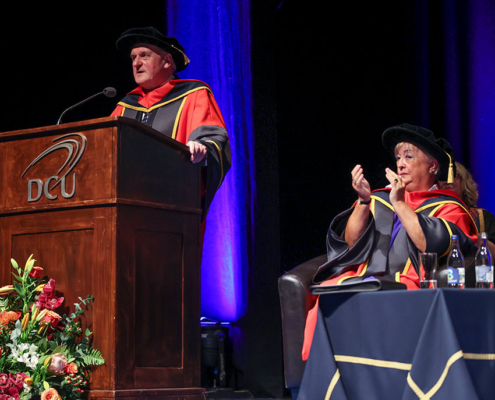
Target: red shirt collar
[{"x": 151, "y": 98}]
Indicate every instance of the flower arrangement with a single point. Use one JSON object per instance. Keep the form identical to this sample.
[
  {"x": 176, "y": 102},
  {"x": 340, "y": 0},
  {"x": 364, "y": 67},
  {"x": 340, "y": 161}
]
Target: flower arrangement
[{"x": 42, "y": 355}]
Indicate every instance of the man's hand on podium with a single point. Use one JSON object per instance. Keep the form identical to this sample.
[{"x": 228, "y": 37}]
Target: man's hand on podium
[{"x": 198, "y": 151}]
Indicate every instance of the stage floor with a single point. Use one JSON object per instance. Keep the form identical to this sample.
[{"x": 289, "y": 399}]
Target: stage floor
[
  {"x": 229, "y": 394},
  {"x": 236, "y": 395}
]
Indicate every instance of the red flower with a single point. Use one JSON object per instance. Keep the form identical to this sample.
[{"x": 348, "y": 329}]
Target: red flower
[
  {"x": 10, "y": 394},
  {"x": 4, "y": 381},
  {"x": 36, "y": 272},
  {"x": 51, "y": 318},
  {"x": 14, "y": 396},
  {"x": 71, "y": 368},
  {"x": 54, "y": 302},
  {"x": 47, "y": 299},
  {"x": 9, "y": 316},
  {"x": 18, "y": 379},
  {"x": 49, "y": 288}
]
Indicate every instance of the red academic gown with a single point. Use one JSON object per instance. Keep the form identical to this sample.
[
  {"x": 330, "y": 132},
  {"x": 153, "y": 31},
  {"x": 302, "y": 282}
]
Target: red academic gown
[
  {"x": 377, "y": 253},
  {"x": 185, "y": 110}
]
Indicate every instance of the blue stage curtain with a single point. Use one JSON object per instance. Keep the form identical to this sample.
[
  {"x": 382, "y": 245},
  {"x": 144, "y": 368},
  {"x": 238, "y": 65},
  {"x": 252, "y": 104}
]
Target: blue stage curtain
[
  {"x": 216, "y": 37},
  {"x": 469, "y": 71},
  {"x": 481, "y": 111}
]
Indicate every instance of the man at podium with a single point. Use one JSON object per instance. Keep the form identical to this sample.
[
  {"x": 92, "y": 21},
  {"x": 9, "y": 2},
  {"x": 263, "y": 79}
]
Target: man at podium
[{"x": 183, "y": 109}]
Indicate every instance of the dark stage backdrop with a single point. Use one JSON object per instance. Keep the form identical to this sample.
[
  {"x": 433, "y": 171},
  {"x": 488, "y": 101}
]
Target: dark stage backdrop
[
  {"x": 55, "y": 57},
  {"x": 342, "y": 78},
  {"x": 324, "y": 86},
  {"x": 346, "y": 74}
]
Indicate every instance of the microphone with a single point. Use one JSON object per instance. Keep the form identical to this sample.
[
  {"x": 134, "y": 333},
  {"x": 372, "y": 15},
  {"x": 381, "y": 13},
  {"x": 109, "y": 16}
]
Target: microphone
[{"x": 108, "y": 91}]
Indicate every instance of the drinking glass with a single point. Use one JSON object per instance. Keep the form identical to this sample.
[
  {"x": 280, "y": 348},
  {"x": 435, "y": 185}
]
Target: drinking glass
[{"x": 428, "y": 270}]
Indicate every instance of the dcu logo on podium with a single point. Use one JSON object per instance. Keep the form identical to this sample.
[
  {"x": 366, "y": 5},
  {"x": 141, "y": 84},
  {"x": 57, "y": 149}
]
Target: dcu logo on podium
[{"x": 75, "y": 147}]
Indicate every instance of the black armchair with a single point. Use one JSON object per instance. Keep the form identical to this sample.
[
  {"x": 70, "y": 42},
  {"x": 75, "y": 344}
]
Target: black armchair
[{"x": 296, "y": 301}]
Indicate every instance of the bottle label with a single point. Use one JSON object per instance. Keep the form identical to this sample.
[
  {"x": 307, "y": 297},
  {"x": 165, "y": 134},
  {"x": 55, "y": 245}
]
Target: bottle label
[
  {"x": 484, "y": 273},
  {"x": 455, "y": 275}
]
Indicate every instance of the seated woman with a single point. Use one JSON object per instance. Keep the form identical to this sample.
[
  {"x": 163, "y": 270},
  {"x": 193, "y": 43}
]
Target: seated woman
[
  {"x": 467, "y": 189},
  {"x": 382, "y": 234}
]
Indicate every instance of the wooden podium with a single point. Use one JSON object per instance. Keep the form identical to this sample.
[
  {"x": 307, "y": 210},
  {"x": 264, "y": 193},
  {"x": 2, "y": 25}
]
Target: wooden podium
[{"x": 110, "y": 207}]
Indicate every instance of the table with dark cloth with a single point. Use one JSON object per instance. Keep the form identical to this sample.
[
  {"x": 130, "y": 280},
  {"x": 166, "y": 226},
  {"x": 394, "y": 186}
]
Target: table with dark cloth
[{"x": 437, "y": 344}]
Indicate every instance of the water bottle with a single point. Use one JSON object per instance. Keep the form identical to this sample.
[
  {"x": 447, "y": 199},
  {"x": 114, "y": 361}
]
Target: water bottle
[
  {"x": 484, "y": 266},
  {"x": 455, "y": 265}
]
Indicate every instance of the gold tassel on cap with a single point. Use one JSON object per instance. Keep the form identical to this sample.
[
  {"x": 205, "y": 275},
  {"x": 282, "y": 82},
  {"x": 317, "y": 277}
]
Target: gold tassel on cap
[
  {"x": 450, "y": 178},
  {"x": 186, "y": 59}
]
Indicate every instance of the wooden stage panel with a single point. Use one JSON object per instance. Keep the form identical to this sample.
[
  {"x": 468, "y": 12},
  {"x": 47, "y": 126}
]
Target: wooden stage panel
[
  {"x": 153, "y": 394},
  {"x": 156, "y": 249},
  {"x": 158, "y": 291},
  {"x": 65, "y": 256}
]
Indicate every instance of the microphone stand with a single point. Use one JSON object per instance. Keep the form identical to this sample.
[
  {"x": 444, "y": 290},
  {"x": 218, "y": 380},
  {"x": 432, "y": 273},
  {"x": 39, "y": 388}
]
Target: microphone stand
[{"x": 109, "y": 92}]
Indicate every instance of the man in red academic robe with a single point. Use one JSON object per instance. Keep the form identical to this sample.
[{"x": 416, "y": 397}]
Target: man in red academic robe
[{"x": 182, "y": 109}]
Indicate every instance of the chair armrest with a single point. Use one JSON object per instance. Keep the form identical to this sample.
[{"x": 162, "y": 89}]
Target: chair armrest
[{"x": 295, "y": 302}]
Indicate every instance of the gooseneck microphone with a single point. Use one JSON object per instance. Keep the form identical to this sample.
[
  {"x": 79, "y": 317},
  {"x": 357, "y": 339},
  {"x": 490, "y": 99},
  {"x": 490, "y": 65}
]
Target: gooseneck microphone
[{"x": 109, "y": 92}]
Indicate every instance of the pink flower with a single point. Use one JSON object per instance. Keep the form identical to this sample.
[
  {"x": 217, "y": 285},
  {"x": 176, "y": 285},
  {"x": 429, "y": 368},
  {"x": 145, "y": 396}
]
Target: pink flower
[
  {"x": 36, "y": 272},
  {"x": 57, "y": 364},
  {"x": 50, "y": 394}
]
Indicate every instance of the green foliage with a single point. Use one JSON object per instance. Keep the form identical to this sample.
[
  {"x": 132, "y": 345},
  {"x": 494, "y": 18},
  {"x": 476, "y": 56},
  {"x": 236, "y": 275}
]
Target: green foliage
[{"x": 93, "y": 358}]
